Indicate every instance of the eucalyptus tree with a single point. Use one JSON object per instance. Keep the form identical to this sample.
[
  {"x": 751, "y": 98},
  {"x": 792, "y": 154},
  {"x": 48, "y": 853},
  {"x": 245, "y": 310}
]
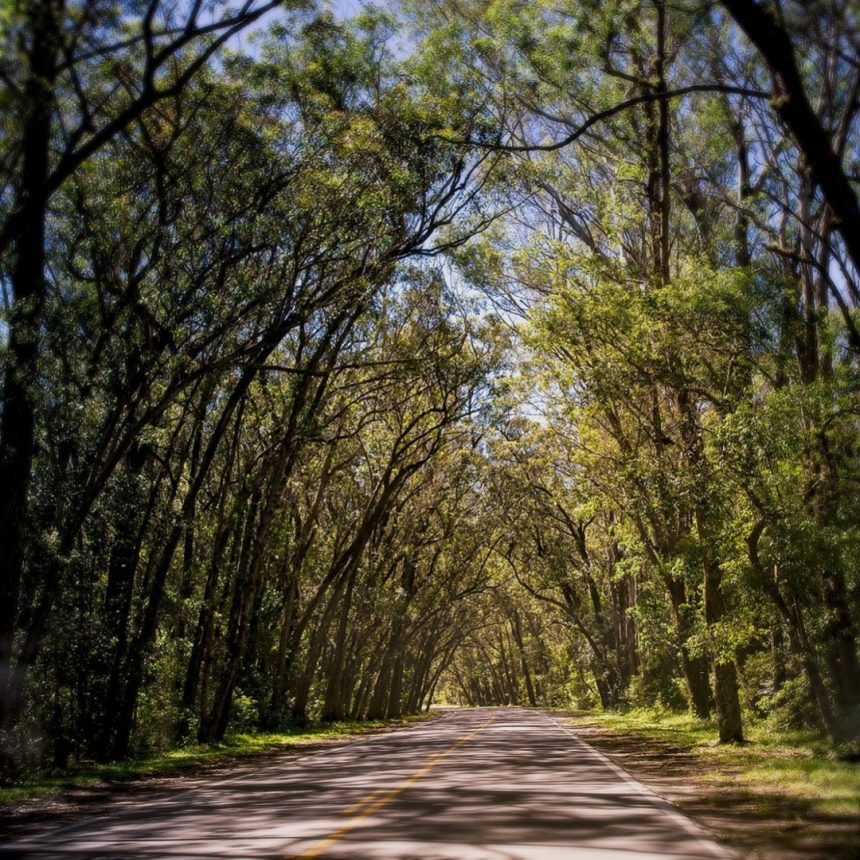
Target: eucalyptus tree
[
  {"x": 562, "y": 544},
  {"x": 662, "y": 177},
  {"x": 817, "y": 102},
  {"x": 76, "y": 77},
  {"x": 421, "y": 388},
  {"x": 194, "y": 259}
]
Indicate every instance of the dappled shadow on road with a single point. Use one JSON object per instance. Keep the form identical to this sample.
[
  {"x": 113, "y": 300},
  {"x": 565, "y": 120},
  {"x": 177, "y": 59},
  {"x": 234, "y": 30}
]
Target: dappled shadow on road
[
  {"x": 760, "y": 824},
  {"x": 518, "y": 788},
  {"x": 76, "y": 803}
]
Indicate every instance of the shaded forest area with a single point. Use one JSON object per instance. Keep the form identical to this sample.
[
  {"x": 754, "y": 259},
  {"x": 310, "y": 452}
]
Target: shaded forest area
[{"x": 481, "y": 351}]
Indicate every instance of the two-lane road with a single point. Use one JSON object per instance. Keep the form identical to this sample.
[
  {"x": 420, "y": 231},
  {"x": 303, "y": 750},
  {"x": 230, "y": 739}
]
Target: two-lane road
[{"x": 481, "y": 784}]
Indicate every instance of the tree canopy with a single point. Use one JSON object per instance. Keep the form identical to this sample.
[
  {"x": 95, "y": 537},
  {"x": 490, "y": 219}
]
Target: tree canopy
[{"x": 465, "y": 350}]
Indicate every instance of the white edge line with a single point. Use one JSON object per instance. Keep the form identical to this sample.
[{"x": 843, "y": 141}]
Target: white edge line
[
  {"x": 664, "y": 805},
  {"x": 128, "y": 805}
]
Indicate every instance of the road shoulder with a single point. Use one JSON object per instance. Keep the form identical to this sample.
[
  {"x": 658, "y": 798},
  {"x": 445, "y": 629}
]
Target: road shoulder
[{"x": 754, "y": 819}]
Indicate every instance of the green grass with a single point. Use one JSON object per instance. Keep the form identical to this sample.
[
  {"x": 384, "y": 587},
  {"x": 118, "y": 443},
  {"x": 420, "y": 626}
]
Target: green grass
[
  {"x": 773, "y": 766},
  {"x": 236, "y": 745}
]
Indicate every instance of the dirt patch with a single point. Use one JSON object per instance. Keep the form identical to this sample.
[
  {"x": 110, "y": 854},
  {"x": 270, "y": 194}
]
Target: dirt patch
[{"x": 754, "y": 821}]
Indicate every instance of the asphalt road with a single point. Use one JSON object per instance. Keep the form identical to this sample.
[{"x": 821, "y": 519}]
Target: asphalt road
[{"x": 477, "y": 784}]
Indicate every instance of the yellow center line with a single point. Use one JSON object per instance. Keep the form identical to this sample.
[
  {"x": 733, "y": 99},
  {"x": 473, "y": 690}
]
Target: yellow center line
[
  {"x": 351, "y": 810},
  {"x": 365, "y": 807}
]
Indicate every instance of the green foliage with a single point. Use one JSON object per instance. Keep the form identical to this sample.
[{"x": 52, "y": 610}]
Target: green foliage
[{"x": 480, "y": 349}]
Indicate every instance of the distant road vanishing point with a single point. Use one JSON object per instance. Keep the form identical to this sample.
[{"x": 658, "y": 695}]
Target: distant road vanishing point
[{"x": 476, "y": 784}]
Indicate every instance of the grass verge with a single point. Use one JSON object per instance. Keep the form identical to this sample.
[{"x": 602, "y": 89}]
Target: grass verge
[
  {"x": 235, "y": 746},
  {"x": 795, "y": 765},
  {"x": 782, "y": 795}
]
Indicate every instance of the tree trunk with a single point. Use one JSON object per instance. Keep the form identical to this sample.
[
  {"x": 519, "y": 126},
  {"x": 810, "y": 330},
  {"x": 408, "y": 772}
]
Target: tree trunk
[
  {"x": 244, "y": 591},
  {"x": 118, "y": 600},
  {"x": 379, "y": 700},
  {"x": 278, "y": 700},
  {"x": 516, "y": 628},
  {"x": 841, "y": 643},
  {"x": 27, "y": 277},
  {"x": 797, "y": 637},
  {"x": 695, "y": 669},
  {"x": 791, "y": 103},
  {"x": 725, "y": 675},
  {"x": 333, "y": 705}
]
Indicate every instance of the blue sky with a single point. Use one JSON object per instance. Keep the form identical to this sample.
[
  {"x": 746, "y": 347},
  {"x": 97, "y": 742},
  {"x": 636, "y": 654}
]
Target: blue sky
[{"x": 347, "y": 8}]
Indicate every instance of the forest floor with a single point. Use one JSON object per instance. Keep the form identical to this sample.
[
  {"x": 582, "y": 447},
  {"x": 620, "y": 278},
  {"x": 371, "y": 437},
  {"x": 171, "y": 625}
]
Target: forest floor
[
  {"x": 89, "y": 788},
  {"x": 780, "y": 795}
]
